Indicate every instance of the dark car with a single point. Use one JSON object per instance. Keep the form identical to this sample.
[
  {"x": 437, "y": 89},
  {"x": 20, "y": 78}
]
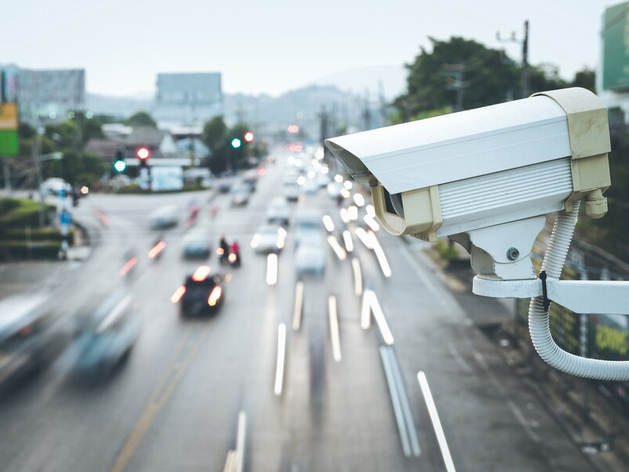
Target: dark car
[{"x": 201, "y": 294}]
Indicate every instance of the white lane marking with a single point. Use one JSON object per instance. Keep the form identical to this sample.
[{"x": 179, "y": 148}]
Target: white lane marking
[
  {"x": 436, "y": 422},
  {"x": 271, "y": 269},
  {"x": 281, "y": 356},
  {"x": 523, "y": 422},
  {"x": 365, "y": 313},
  {"x": 395, "y": 400},
  {"x": 348, "y": 241},
  {"x": 358, "y": 277},
  {"x": 406, "y": 408},
  {"x": 381, "y": 321},
  {"x": 367, "y": 240},
  {"x": 230, "y": 462},
  {"x": 299, "y": 304},
  {"x": 382, "y": 260},
  {"x": 336, "y": 247},
  {"x": 465, "y": 367},
  {"x": 240, "y": 441},
  {"x": 334, "y": 329}
]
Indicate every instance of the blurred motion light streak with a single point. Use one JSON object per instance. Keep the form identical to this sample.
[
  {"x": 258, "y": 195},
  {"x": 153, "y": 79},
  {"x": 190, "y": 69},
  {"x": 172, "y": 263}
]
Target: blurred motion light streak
[
  {"x": 334, "y": 329},
  {"x": 344, "y": 215},
  {"x": 178, "y": 294},
  {"x": 299, "y": 303},
  {"x": 365, "y": 238},
  {"x": 358, "y": 277},
  {"x": 328, "y": 223},
  {"x": 381, "y": 321},
  {"x": 336, "y": 247},
  {"x": 359, "y": 200},
  {"x": 371, "y": 222},
  {"x": 128, "y": 266},
  {"x": 352, "y": 210},
  {"x": 348, "y": 241},
  {"x": 155, "y": 250},
  {"x": 436, "y": 423},
  {"x": 281, "y": 354},
  {"x": 271, "y": 269},
  {"x": 240, "y": 441},
  {"x": 365, "y": 312},
  {"x": 201, "y": 273}
]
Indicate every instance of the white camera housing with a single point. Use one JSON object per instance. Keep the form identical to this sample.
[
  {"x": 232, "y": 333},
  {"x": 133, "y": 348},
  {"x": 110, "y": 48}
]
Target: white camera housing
[{"x": 473, "y": 169}]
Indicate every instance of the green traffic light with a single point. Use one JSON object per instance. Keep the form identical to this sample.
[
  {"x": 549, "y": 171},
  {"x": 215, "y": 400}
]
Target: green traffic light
[
  {"x": 120, "y": 166},
  {"x": 236, "y": 143}
]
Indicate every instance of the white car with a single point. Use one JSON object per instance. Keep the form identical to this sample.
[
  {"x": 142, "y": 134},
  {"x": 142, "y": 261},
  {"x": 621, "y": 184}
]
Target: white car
[
  {"x": 291, "y": 193},
  {"x": 164, "y": 217},
  {"x": 278, "y": 211},
  {"x": 54, "y": 185},
  {"x": 307, "y": 223},
  {"x": 310, "y": 256},
  {"x": 269, "y": 238}
]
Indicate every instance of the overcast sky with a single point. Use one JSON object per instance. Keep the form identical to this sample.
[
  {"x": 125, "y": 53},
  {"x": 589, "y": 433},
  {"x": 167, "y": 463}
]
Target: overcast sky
[{"x": 273, "y": 46}]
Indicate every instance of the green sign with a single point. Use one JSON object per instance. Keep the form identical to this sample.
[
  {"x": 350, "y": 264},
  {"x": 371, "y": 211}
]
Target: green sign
[
  {"x": 8, "y": 143},
  {"x": 616, "y": 47}
]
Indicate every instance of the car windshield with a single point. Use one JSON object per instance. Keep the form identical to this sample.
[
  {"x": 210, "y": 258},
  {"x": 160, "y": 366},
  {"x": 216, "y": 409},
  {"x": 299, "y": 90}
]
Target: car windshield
[{"x": 258, "y": 228}]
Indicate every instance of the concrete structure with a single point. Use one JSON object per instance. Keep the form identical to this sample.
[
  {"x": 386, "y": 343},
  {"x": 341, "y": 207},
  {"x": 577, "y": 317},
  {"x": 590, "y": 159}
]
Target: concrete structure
[
  {"x": 188, "y": 98},
  {"x": 43, "y": 94}
]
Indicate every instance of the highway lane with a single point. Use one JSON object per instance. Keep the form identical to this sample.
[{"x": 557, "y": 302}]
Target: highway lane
[{"x": 176, "y": 404}]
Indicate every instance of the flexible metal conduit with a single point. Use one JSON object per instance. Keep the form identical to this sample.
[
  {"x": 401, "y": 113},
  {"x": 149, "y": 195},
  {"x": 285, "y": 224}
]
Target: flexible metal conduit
[{"x": 539, "y": 324}]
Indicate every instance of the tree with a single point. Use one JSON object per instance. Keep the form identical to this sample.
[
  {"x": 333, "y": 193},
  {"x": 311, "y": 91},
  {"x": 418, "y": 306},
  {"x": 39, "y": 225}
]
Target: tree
[
  {"x": 214, "y": 132},
  {"x": 585, "y": 78},
  {"x": 140, "y": 118},
  {"x": 481, "y": 75}
]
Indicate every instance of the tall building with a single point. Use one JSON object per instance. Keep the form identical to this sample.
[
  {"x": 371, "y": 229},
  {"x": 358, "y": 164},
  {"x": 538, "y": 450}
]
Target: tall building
[
  {"x": 49, "y": 94},
  {"x": 188, "y": 98}
]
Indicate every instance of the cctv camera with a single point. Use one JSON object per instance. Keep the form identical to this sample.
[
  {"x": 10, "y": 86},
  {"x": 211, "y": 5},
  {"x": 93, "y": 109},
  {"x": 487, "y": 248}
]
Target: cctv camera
[{"x": 473, "y": 169}]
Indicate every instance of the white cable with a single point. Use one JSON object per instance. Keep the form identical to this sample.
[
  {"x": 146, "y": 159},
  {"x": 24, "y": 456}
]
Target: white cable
[{"x": 539, "y": 321}]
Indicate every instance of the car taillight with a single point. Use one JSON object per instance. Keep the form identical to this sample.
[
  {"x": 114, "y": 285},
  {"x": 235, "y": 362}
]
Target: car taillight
[
  {"x": 178, "y": 294},
  {"x": 201, "y": 273},
  {"x": 155, "y": 250},
  {"x": 232, "y": 257},
  {"x": 215, "y": 296}
]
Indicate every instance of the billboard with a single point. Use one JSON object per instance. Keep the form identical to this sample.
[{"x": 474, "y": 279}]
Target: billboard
[
  {"x": 8, "y": 129},
  {"x": 616, "y": 47}
]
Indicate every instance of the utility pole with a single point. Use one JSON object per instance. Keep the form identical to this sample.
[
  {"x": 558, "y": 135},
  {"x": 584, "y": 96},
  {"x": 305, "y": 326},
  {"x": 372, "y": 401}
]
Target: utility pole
[{"x": 524, "y": 85}]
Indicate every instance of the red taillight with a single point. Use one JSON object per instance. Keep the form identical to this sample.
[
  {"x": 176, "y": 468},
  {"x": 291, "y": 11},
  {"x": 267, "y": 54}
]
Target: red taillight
[
  {"x": 26, "y": 330},
  {"x": 155, "y": 250},
  {"x": 128, "y": 266},
  {"x": 178, "y": 294},
  {"x": 232, "y": 257}
]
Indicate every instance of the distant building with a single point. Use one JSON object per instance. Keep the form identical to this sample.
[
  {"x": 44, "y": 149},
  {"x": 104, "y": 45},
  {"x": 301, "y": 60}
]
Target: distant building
[
  {"x": 612, "y": 76},
  {"x": 188, "y": 98},
  {"x": 47, "y": 94}
]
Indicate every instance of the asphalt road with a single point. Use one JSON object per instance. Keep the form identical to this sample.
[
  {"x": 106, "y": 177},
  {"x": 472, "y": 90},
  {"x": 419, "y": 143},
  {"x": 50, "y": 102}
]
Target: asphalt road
[{"x": 419, "y": 389}]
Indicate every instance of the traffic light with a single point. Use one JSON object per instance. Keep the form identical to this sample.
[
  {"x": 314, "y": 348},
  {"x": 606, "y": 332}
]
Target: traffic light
[
  {"x": 249, "y": 136},
  {"x": 236, "y": 143},
  {"x": 119, "y": 164},
  {"x": 143, "y": 154}
]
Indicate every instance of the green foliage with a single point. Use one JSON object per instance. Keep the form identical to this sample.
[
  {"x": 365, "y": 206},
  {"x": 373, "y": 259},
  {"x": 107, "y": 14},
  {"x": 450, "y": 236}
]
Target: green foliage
[
  {"x": 141, "y": 118},
  {"x": 19, "y": 250},
  {"x": 214, "y": 132},
  {"x": 26, "y": 213},
  {"x": 585, "y": 78},
  {"x": 488, "y": 77},
  {"x": 218, "y": 138},
  {"x": 446, "y": 251},
  {"x": 76, "y": 169}
]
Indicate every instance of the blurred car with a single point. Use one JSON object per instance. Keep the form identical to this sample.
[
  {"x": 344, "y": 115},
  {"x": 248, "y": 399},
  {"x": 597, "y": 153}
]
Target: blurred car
[
  {"x": 311, "y": 187},
  {"x": 278, "y": 211},
  {"x": 201, "y": 293},
  {"x": 310, "y": 257},
  {"x": 290, "y": 178},
  {"x": 196, "y": 244},
  {"x": 105, "y": 335},
  {"x": 250, "y": 177},
  {"x": 54, "y": 185},
  {"x": 307, "y": 223},
  {"x": 164, "y": 217},
  {"x": 224, "y": 184},
  {"x": 322, "y": 179},
  {"x": 24, "y": 335},
  {"x": 291, "y": 192},
  {"x": 269, "y": 238},
  {"x": 240, "y": 194}
]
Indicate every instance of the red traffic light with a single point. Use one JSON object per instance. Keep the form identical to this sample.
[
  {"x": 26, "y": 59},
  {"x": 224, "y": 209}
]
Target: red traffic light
[
  {"x": 249, "y": 136},
  {"x": 143, "y": 153}
]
